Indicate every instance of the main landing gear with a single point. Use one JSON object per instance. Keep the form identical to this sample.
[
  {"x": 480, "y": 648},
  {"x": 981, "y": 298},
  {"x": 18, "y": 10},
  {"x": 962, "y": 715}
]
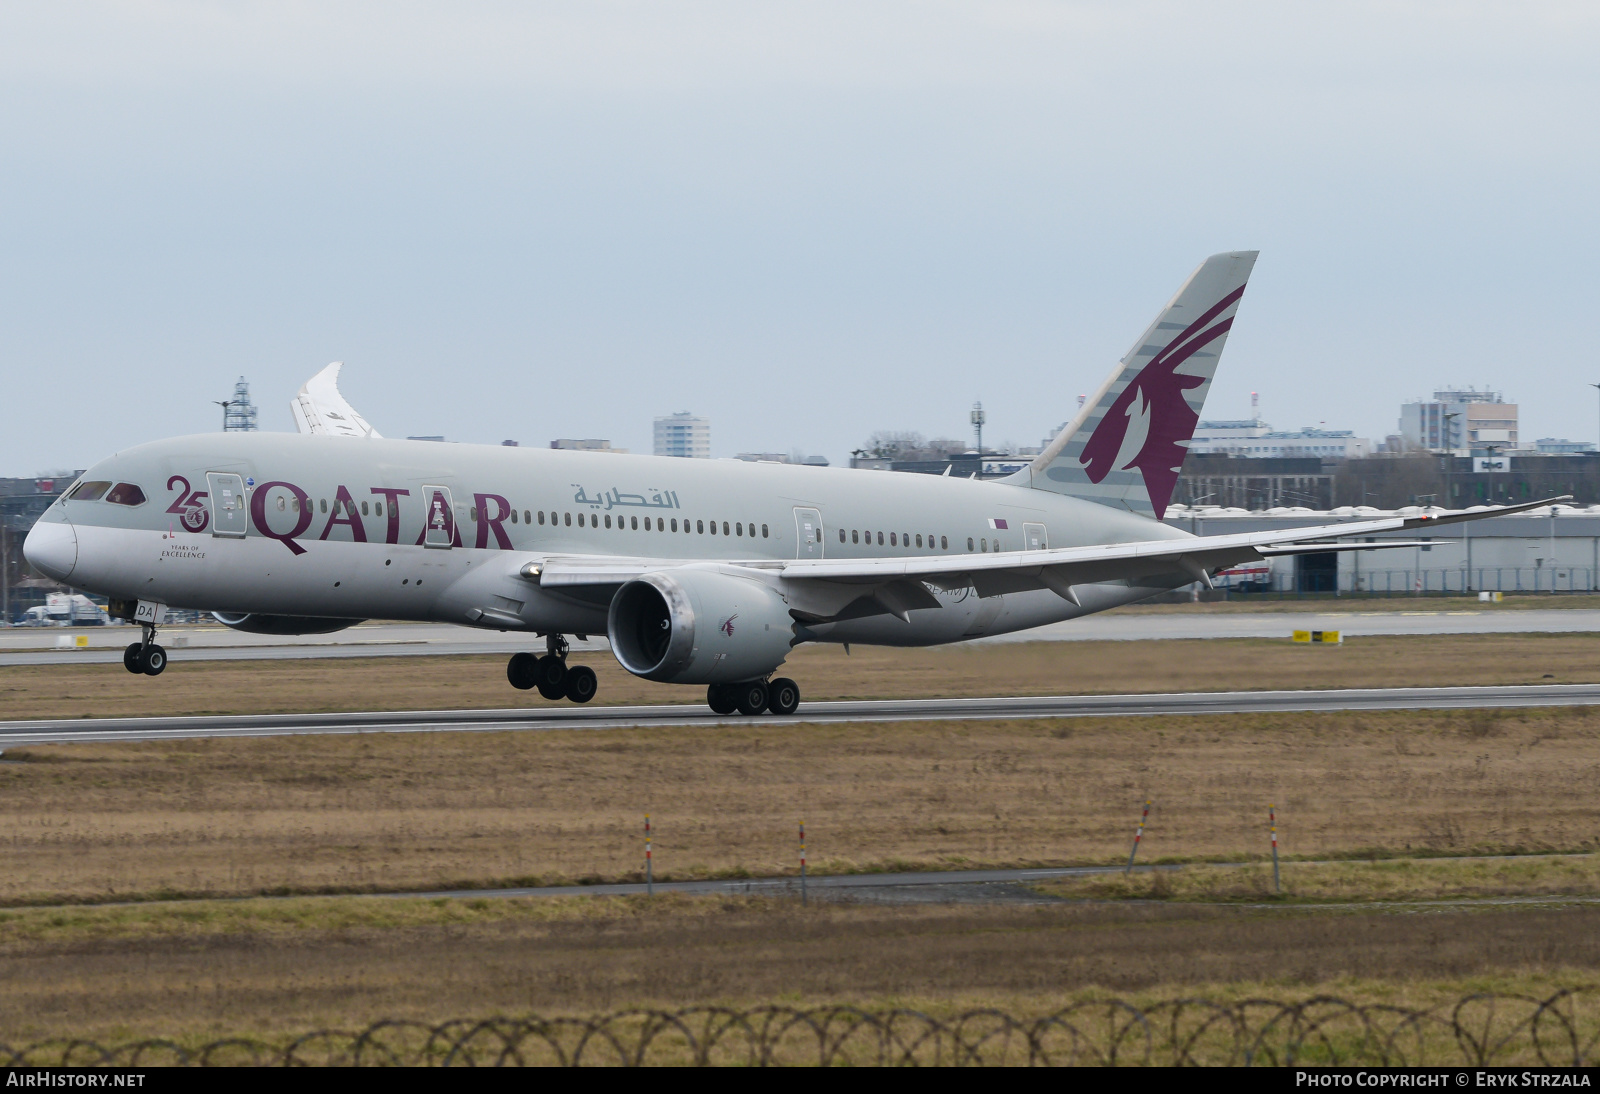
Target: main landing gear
[
  {"x": 780, "y": 696},
  {"x": 551, "y": 674},
  {"x": 145, "y": 656}
]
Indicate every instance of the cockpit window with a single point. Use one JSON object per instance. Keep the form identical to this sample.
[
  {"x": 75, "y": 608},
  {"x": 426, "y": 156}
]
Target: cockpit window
[
  {"x": 89, "y": 491},
  {"x": 125, "y": 493}
]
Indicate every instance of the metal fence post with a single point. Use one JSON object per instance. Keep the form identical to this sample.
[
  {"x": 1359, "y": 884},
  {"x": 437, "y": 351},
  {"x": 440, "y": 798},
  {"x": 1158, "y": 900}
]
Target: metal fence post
[
  {"x": 1138, "y": 835},
  {"x": 1272, "y": 817},
  {"x": 802, "y": 862},
  {"x": 649, "y": 868}
]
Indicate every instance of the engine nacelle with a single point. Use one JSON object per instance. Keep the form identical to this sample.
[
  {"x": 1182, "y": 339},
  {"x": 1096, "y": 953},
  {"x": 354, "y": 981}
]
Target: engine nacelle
[
  {"x": 283, "y": 624},
  {"x": 687, "y": 626}
]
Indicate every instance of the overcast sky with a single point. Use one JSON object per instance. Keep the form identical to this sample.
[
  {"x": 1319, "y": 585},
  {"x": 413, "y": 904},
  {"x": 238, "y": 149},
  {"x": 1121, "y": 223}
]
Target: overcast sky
[{"x": 806, "y": 221}]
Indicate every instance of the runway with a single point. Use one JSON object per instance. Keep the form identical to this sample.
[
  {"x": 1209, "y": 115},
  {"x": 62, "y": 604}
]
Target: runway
[
  {"x": 694, "y": 716},
  {"x": 212, "y": 642}
]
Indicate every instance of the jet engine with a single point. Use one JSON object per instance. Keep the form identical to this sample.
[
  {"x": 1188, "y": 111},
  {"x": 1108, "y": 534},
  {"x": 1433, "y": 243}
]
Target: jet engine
[
  {"x": 282, "y": 624},
  {"x": 691, "y": 626}
]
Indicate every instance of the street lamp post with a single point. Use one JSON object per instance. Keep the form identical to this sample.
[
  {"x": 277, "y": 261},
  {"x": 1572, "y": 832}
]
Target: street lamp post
[{"x": 978, "y": 418}]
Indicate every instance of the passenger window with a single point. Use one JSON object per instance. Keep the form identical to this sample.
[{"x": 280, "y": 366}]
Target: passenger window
[
  {"x": 855, "y": 537},
  {"x": 363, "y": 508},
  {"x": 89, "y": 491},
  {"x": 970, "y": 544},
  {"x": 674, "y": 524},
  {"x": 608, "y": 520},
  {"x": 527, "y": 518},
  {"x": 377, "y": 507},
  {"x": 281, "y": 505},
  {"x": 125, "y": 493},
  {"x": 473, "y": 513},
  {"x": 894, "y": 540},
  {"x": 764, "y": 532},
  {"x": 738, "y": 528},
  {"x": 983, "y": 545},
  {"x": 880, "y": 539},
  {"x": 541, "y": 516},
  {"x": 841, "y": 534},
  {"x": 700, "y": 525},
  {"x": 569, "y": 520},
  {"x": 324, "y": 505},
  {"x": 724, "y": 527},
  {"x": 634, "y": 524},
  {"x": 713, "y": 527}
]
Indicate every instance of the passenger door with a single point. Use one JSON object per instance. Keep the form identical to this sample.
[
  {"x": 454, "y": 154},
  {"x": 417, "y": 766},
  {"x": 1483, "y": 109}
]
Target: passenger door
[
  {"x": 807, "y": 533},
  {"x": 1033, "y": 537},
  {"x": 439, "y": 528},
  {"x": 229, "y": 516}
]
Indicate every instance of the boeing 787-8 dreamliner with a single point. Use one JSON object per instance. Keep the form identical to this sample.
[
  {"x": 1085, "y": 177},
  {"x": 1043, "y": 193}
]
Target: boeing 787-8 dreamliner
[{"x": 703, "y": 572}]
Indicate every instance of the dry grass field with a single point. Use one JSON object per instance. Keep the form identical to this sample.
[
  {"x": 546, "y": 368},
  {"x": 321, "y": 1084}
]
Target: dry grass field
[
  {"x": 269, "y": 968},
  {"x": 824, "y": 672},
  {"x": 235, "y": 817}
]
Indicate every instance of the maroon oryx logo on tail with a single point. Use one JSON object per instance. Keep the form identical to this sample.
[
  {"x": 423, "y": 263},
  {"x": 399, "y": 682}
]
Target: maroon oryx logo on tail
[
  {"x": 1159, "y": 387},
  {"x": 726, "y": 626}
]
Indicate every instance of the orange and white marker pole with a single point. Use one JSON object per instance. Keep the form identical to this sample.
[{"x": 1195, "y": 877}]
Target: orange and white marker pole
[
  {"x": 1138, "y": 835},
  {"x": 1272, "y": 819},
  {"x": 802, "y": 862},
  {"x": 649, "y": 867}
]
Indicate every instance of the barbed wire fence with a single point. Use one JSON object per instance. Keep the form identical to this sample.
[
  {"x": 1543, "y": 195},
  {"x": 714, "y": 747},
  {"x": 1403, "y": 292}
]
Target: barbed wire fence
[{"x": 1477, "y": 1030}]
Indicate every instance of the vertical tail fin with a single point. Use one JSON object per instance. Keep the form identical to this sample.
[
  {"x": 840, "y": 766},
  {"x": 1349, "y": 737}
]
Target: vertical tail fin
[{"x": 1126, "y": 446}]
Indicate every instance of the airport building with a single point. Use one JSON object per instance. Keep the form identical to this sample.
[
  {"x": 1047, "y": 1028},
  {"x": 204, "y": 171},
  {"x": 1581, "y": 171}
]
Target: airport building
[
  {"x": 1459, "y": 420},
  {"x": 22, "y": 502},
  {"x": 682, "y": 434},
  {"x": 1555, "y": 549},
  {"x": 587, "y": 444}
]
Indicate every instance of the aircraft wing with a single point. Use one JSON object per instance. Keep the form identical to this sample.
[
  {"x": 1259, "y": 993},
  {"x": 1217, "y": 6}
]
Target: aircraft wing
[
  {"x": 823, "y": 588},
  {"x": 319, "y": 408}
]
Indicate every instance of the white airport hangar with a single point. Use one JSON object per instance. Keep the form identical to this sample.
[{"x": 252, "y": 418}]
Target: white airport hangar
[{"x": 1555, "y": 548}]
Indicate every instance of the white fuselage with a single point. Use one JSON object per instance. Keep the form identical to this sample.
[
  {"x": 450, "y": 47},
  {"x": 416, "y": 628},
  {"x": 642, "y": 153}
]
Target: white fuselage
[{"x": 332, "y": 527}]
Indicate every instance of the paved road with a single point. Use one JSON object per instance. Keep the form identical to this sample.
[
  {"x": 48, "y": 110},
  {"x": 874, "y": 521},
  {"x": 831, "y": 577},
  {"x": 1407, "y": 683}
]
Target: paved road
[
  {"x": 687, "y": 716},
  {"x": 214, "y": 643}
]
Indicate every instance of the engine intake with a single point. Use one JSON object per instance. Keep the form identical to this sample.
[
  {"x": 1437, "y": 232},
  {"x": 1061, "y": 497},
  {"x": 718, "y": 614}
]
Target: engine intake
[
  {"x": 283, "y": 624},
  {"x": 688, "y": 626}
]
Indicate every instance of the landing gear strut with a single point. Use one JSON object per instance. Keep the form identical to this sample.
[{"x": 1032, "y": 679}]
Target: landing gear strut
[
  {"x": 551, "y": 674},
  {"x": 780, "y": 696},
  {"x": 145, "y": 656}
]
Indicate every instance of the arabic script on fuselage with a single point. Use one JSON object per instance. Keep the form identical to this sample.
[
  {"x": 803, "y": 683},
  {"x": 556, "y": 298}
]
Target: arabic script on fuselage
[{"x": 614, "y": 499}]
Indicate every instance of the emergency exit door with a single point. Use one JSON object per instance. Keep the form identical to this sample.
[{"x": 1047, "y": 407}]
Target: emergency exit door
[
  {"x": 229, "y": 517},
  {"x": 807, "y": 533},
  {"x": 1033, "y": 537},
  {"x": 438, "y": 518}
]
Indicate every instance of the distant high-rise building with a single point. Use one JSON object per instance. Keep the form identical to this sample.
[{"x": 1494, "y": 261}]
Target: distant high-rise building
[
  {"x": 239, "y": 413},
  {"x": 1459, "y": 419},
  {"x": 682, "y": 434}
]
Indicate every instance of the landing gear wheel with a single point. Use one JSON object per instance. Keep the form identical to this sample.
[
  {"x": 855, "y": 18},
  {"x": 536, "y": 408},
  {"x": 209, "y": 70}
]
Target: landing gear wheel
[
  {"x": 153, "y": 660},
  {"x": 783, "y": 696},
  {"x": 751, "y": 697},
  {"x": 722, "y": 699},
  {"x": 581, "y": 683},
  {"x": 130, "y": 658},
  {"x": 522, "y": 671},
  {"x": 550, "y": 677}
]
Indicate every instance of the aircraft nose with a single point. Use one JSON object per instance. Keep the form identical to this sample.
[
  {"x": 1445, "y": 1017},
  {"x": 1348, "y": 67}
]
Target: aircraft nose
[{"x": 52, "y": 548}]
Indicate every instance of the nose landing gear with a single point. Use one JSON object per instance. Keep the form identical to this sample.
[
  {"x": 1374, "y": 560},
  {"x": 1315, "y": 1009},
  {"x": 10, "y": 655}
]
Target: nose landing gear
[
  {"x": 145, "y": 656},
  {"x": 551, "y": 674}
]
